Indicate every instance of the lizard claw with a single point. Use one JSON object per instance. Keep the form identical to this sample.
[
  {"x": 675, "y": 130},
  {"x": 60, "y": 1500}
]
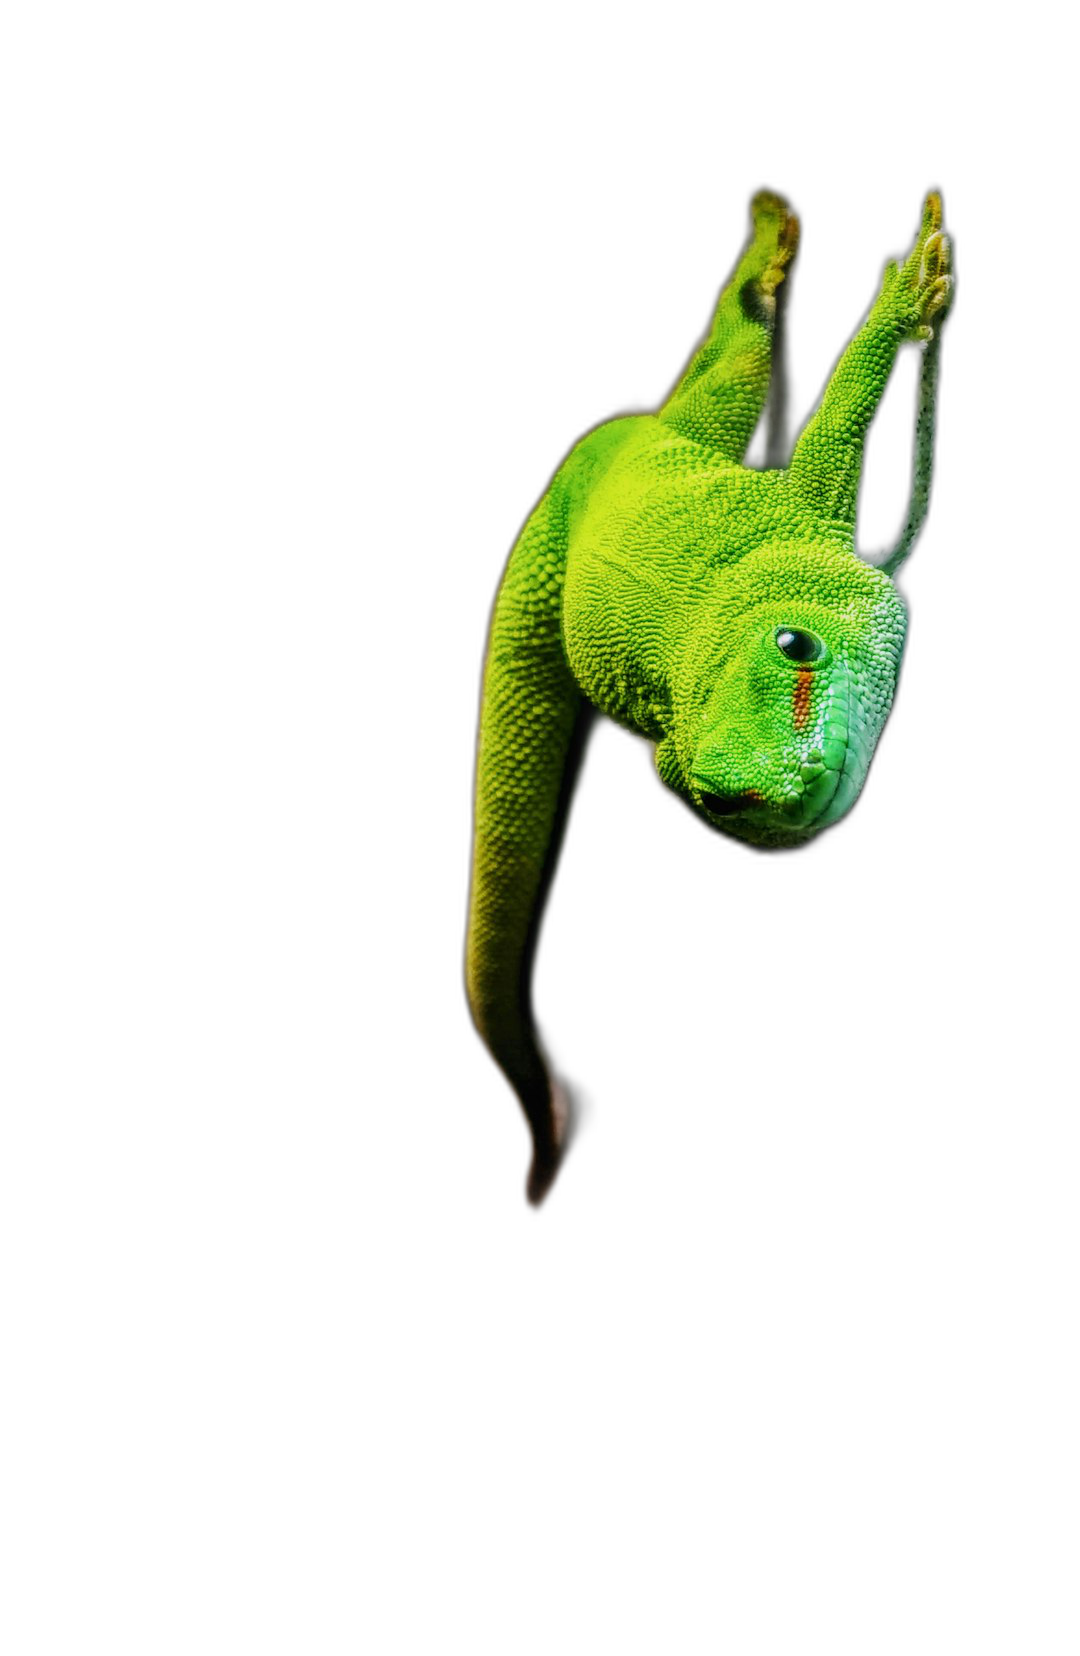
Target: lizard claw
[
  {"x": 774, "y": 245},
  {"x": 923, "y": 285}
]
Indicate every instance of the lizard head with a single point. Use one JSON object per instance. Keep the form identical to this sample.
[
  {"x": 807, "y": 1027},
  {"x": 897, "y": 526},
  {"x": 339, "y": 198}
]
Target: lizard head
[{"x": 784, "y": 689}]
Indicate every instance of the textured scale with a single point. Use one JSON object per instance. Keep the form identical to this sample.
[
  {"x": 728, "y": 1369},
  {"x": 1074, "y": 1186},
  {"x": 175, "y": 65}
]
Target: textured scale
[{"x": 720, "y": 611}]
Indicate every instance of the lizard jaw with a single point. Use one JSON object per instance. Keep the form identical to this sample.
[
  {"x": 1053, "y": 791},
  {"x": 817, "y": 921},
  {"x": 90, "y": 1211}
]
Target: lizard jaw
[{"x": 830, "y": 772}]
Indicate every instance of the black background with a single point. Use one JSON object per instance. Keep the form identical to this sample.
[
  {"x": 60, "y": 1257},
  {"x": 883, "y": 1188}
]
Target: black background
[{"x": 815, "y": 1060}]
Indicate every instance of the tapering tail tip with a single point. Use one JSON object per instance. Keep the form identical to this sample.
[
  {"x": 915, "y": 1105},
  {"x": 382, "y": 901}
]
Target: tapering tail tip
[{"x": 549, "y": 1146}]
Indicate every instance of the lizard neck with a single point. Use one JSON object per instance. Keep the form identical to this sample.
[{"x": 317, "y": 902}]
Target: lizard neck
[{"x": 655, "y": 524}]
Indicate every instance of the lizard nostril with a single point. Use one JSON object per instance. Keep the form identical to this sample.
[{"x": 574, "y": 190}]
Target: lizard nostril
[{"x": 727, "y": 804}]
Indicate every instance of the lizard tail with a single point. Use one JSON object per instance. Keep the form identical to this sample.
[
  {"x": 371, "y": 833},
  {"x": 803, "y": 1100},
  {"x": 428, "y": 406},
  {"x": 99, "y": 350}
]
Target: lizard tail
[{"x": 532, "y": 730}]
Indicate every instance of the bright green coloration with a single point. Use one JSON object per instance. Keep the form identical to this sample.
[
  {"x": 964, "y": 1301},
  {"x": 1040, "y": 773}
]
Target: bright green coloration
[{"x": 718, "y": 610}]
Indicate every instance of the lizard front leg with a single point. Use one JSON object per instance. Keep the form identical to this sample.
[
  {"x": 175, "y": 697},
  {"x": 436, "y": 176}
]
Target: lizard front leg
[
  {"x": 719, "y": 399},
  {"x": 827, "y": 462},
  {"x": 532, "y": 725}
]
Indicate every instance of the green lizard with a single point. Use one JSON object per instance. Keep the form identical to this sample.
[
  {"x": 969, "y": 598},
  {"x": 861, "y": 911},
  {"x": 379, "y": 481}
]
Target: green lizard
[{"x": 719, "y": 610}]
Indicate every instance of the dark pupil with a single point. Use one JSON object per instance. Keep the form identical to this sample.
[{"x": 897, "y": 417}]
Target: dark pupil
[{"x": 797, "y": 646}]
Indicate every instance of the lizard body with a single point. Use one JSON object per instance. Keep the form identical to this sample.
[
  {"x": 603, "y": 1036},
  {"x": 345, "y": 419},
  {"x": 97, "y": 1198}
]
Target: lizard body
[{"x": 720, "y": 611}]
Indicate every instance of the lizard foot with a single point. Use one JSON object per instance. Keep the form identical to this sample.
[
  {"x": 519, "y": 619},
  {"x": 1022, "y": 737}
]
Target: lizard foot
[
  {"x": 921, "y": 288},
  {"x": 776, "y": 240}
]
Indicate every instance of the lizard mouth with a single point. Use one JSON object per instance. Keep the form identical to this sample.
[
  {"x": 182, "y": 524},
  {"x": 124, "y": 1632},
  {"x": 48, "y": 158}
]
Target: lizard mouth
[
  {"x": 729, "y": 804},
  {"x": 824, "y": 798}
]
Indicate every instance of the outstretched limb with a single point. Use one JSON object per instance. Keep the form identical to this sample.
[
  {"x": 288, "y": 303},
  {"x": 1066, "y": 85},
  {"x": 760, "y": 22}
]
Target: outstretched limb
[
  {"x": 719, "y": 399},
  {"x": 922, "y": 464},
  {"x": 827, "y": 462},
  {"x": 532, "y": 725},
  {"x": 776, "y": 404}
]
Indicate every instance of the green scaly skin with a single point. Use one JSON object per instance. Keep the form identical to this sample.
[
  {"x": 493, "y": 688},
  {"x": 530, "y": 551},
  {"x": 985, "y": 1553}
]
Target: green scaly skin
[{"x": 663, "y": 582}]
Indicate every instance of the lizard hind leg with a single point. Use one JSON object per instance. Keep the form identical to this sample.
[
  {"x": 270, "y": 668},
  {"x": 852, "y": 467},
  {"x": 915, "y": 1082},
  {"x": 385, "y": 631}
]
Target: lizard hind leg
[{"x": 719, "y": 399}]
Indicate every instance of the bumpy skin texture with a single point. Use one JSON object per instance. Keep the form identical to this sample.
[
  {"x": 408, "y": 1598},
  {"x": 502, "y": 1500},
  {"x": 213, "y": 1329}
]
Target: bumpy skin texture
[{"x": 720, "y": 611}]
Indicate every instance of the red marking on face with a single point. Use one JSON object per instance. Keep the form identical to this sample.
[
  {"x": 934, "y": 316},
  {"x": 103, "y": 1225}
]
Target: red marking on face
[{"x": 801, "y": 698}]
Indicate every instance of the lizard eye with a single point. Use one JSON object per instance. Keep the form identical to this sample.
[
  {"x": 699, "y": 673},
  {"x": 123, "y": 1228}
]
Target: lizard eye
[{"x": 799, "y": 646}]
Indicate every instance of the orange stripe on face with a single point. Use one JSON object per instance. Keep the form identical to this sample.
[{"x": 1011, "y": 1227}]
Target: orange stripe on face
[{"x": 801, "y": 698}]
